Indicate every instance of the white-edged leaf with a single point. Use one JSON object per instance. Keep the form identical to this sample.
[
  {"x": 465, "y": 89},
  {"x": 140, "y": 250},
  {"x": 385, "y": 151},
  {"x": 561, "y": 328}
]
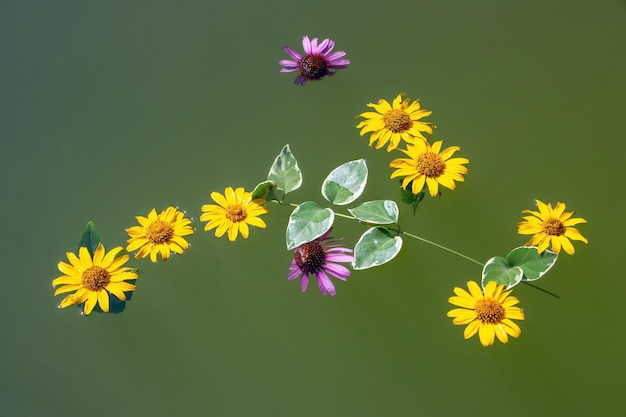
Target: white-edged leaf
[
  {"x": 265, "y": 191},
  {"x": 375, "y": 247},
  {"x": 345, "y": 183},
  {"x": 307, "y": 222},
  {"x": 533, "y": 264},
  {"x": 376, "y": 212},
  {"x": 498, "y": 269},
  {"x": 285, "y": 171}
]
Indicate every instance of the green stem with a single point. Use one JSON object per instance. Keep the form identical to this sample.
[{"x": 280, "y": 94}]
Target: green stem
[
  {"x": 541, "y": 289},
  {"x": 444, "y": 248}
]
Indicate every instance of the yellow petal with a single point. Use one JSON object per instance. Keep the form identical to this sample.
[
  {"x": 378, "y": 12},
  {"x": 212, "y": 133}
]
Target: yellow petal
[
  {"x": 90, "y": 302},
  {"x": 486, "y": 333},
  {"x": 103, "y": 300},
  {"x": 474, "y": 290},
  {"x": 501, "y": 333},
  {"x": 471, "y": 329}
]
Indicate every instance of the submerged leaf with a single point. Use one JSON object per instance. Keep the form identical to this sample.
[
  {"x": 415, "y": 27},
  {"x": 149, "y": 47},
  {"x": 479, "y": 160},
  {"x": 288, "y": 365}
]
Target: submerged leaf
[{"x": 90, "y": 239}]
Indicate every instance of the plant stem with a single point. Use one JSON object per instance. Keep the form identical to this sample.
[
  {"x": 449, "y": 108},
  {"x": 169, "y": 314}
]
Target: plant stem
[
  {"x": 444, "y": 248},
  {"x": 541, "y": 289}
]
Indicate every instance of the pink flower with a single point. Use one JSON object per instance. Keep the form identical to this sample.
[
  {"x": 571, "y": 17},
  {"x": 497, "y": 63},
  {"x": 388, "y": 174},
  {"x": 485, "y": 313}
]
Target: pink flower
[
  {"x": 320, "y": 257},
  {"x": 317, "y": 61}
]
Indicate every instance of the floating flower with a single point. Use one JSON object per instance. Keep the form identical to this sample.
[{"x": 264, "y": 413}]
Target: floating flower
[
  {"x": 236, "y": 210},
  {"x": 92, "y": 280},
  {"x": 160, "y": 233},
  {"x": 426, "y": 165},
  {"x": 319, "y": 257},
  {"x": 490, "y": 314},
  {"x": 551, "y": 227},
  {"x": 390, "y": 123},
  {"x": 317, "y": 61}
]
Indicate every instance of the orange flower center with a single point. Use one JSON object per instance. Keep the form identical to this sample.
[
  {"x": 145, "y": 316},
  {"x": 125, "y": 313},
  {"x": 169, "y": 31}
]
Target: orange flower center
[
  {"x": 96, "y": 278},
  {"x": 159, "y": 232},
  {"x": 310, "y": 257},
  {"x": 313, "y": 67},
  {"x": 430, "y": 164},
  {"x": 489, "y": 311},
  {"x": 397, "y": 121},
  {"x": 235, "y": 213},
  {"x": 553, "y": 227}
]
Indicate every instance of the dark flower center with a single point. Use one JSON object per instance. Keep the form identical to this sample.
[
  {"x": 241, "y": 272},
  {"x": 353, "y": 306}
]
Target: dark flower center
[
  {"x": 553, "y": 227},
  {"x": 310, "y": 257},
  {"x": 397, "y": 121},
  {"x": 159, "y": 232},
  {"x": 235, "y": 213},
  {"x": 430, "y": 164},
  {"x": 489, "y": 311},
  {"x": 313, "y": 67},
  {"x": 95, "y": 278}
]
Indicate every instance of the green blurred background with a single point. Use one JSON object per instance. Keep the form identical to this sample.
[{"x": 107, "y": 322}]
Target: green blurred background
[{"x": 111, "y": 108}]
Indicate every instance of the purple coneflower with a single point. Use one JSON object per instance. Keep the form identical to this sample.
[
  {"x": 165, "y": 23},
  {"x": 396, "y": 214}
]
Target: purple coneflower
[
  {"x": 317, "y": 61},
  {"x": 319, "y": 257}
]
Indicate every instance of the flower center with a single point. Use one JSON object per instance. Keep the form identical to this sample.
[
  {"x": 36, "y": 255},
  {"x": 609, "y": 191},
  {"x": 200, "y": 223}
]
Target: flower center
[
  {"x": 313, "y": 67},
  {"x": 397, "y": 121},
  {"x": 235, "y": 213},
  {"x": 430, "y": 164},
  {"x": 159, "y": 232},
  {"x": 310, "y": 257},
  {"x": 95, "y": 278},
  {"x": 553, "y": 227},
  {"x": 489, "y": 311}
]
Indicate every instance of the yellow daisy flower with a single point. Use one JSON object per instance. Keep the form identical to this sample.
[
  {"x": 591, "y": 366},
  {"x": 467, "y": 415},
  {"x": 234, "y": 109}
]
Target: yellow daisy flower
[
  {"x": 490, "y": 315},
  {"x": 390, "y": 123},
  {"x": 159, "y": 233},
  {"x": 234, "y": 212},
  {"x": 92, "y": 280},
  {"x": 426, "y": 165},
  {"x": 551, "y": 227}
]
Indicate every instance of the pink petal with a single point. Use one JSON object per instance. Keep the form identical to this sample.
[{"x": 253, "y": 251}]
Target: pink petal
[
  {"x": 338, "y": 271},
  {"x": 329, "y": 47},
  {"x": 296, "y": 56},
  {"x": 306, "y": 44},
  {"x": 325, "y": 283}
]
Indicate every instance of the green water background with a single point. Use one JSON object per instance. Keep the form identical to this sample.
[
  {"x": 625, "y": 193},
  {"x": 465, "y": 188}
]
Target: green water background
[{"x": 111, "y": 108}]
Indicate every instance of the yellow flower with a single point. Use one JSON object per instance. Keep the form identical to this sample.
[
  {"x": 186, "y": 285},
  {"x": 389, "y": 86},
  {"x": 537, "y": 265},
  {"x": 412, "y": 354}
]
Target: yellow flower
[
  {"x": 390, "y": 123},
  {"x": 94, "y": 279},
  {"x": 426, "y": 165},
  {"x": 490, "y": 314},
  {"x": 159, "y": 233},
  {"x": 236, "y": 210},
  {"x": 551, "y": 227}
]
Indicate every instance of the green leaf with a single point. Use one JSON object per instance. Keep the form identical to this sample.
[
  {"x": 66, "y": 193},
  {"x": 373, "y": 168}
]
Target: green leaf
[
  {"x": 345, "y": 183},
  {"x": 498, "y": 269},
  {"x": 90, "y": 238},
  {"x": 376, "y": 212},
  {"x": 285, "y": 172},
  {"x": 307, "y": 222},
  {"x": 533, "y": 264},
  {"x": 375, "y": 247},
  {"x": 407, "y": 196},
  {"x": 265, "y": 191}
]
